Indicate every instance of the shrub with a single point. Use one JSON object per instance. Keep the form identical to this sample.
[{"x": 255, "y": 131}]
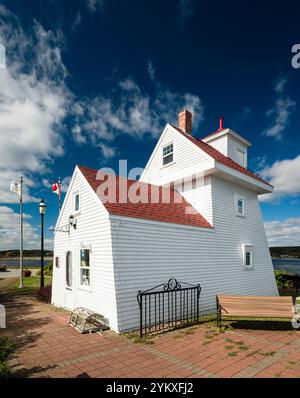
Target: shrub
[
  {"x": 27, "y": 273},
  {"x": 279, "y": 275},
  {"x": 3, "y": 268},
  {"x": 47, "y": 269},
  {"x": 6, "y": 349}
]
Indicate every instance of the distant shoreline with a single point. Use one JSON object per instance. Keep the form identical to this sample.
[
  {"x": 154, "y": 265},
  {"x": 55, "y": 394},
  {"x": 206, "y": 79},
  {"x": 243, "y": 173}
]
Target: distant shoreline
[{"x": 2, "y": 259}]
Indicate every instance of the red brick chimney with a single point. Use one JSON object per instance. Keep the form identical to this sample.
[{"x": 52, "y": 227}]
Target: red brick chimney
[{"x": 185, "y": 121}]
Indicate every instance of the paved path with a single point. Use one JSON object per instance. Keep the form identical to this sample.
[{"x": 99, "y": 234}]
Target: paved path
[{"x": 48, "y": 347}]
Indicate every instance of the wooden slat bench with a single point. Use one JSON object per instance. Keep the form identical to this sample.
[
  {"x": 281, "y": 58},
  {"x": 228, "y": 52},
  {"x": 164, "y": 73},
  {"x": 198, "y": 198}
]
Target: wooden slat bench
[{"x": 254, "y": 307}]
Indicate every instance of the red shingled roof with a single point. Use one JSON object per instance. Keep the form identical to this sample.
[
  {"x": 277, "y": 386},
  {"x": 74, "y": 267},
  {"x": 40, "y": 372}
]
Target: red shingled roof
[
  {"x": 215, "y": 154},
  {"x": 173, "y": 212}
]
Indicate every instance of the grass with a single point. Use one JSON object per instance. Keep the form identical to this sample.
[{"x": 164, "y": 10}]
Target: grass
[
  {"x": 207, "y": 342},
  {"x": 31, "y": 285},
  {"x": 267, "y": 354},
  {"x": 135, "y": 338},
  {"x": 243, "y": 348},
  {"x": 232, "y": 354}
]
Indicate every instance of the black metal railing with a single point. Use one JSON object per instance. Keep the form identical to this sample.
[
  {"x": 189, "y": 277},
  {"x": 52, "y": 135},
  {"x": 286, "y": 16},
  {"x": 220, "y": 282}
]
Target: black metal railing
[{"x": 168, "y": 305}]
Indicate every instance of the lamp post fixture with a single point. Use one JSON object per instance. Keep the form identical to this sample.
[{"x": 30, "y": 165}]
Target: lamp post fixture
[
  {"x": 42, "y": 208},
  {"x": 72, "y": 221}
]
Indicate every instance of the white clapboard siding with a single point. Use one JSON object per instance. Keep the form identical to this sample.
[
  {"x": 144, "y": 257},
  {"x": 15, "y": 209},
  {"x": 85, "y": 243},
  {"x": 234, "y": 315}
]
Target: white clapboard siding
[
  {"x": 227, "y": 145},
  {"x": 149, "y": 253},
  {"x": 200, "y": 196},
  {"x": 232, "y": 146},
  {"x": 221, "y": 144},
  {"x": 187, "y": 157},
  {"x": 93, "y": 230}
]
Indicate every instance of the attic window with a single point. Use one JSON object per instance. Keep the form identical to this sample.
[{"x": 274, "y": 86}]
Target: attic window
[{"x": 167, "y": 154}]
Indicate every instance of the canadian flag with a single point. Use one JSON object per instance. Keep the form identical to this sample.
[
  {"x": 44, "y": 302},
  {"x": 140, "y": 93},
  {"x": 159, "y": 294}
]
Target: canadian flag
[{"x": 56, "y": 187}]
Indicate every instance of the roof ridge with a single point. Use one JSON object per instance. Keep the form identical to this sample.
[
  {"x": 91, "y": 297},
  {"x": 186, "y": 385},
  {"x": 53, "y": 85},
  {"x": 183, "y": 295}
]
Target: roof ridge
[{"x": 128, "y": 179}]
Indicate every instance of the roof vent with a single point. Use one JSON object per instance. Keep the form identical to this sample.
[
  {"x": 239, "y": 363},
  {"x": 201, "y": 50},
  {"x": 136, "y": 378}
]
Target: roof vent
[{"x": 221, "y": 120}]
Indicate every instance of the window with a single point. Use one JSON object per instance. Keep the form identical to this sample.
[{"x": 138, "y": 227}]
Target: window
[
  {"x": 240, "y": 206},
  {"x": 85, "y": 267},
  {"x": 56, "y": 262},
  {"x": 76, "y": 202},
  {"x": 69, "y": 269},
  {"x": 167, "y": 154},
  {"x": 240, "y": 157},
  {"x": 248, "y": 256}
]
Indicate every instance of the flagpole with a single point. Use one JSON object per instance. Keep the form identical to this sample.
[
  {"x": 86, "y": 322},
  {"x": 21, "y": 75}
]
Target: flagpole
[
  {"x": 59, "y": 193},
  {"x": 21, "y": 233}
]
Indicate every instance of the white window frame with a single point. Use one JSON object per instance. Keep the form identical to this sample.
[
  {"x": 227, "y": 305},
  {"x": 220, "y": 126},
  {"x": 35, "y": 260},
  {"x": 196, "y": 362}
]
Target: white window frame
[
  {"x": 238, "y": 198},
  {"x": 74, "y": 202},
  {"x": 237, "y": 149},
  {"x": 248, "y": 249},
  {"x": 84, "y": 286},
  {"x": 163, "y": 156}
]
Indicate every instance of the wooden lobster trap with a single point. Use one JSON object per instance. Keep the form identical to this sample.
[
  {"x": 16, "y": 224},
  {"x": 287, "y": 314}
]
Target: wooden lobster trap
[{"x": 87, "y": 321}]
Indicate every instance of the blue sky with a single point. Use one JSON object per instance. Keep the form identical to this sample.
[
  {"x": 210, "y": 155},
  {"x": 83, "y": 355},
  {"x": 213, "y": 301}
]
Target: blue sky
[{"x": 95, "y": 81}]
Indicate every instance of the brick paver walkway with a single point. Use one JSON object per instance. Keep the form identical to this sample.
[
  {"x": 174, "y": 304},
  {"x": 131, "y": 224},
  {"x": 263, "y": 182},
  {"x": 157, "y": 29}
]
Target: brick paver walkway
[{"x": 48, "y": 347}]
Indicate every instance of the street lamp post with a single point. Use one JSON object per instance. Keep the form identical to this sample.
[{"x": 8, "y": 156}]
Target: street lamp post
[{"x": 42, "y": 208}]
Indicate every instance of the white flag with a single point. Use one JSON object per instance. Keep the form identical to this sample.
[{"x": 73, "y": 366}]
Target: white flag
[{"x": 15, "y": 186}]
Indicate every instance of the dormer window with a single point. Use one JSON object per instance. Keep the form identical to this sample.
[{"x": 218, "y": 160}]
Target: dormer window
[
  {"x": 167, "y": 154},
  {"x": 240, "y": 157}
]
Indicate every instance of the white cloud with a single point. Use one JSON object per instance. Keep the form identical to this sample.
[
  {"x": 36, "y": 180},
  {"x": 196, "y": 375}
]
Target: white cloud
[
  {"x": 132, "y": 112},
  {"x": 280, "y": 84},
  {"x": 283, "y": 233},
  {"x": 33, "y": 100},
  {"x": 10, "y": 231},
  {"x": 185, "y": 9},
  {"x": 259, "y": 163},
  {"x": 284, "y": 176},
  {"x": 96, "y": 5},
  {"x": 77, "y": 21},
  {"x": 108, "y": 152},
  {"x": 281, "y": 111}
]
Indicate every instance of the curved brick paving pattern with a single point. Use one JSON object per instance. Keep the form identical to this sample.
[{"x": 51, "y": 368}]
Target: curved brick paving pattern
[{"x": 47, "y": 347}]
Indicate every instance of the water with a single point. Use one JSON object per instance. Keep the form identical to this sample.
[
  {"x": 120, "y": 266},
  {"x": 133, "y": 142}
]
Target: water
[
  {"x": 287, "y": 264},
  {"x": 26, "y": 263}
]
